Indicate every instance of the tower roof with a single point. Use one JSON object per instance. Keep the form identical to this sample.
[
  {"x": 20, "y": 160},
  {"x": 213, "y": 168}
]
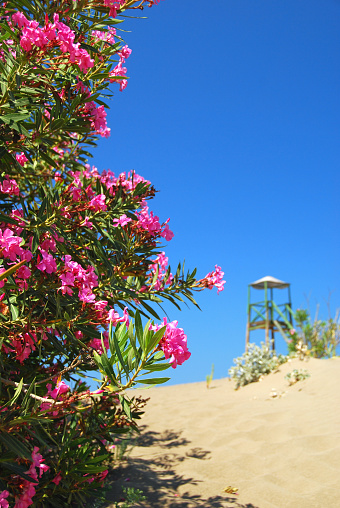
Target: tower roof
[{"x": 271, "y": 283}]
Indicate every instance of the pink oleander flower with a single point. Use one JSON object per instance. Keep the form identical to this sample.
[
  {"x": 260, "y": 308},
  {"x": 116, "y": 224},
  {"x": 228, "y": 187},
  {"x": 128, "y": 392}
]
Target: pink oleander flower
[
  {"x": 67, "y": 280},
  {"x": 214, "y": 279},
  {"x": 85, "y": 295},
  {"x": 167, "y": 233},
  {"x": 38, "y": 461},
  {"x": 57, "y": 479},
  {"x": 124, "y": 53},
  {"x": 47, "y": 263},
  {"x": 21, "y": 158},
  {"x": 122, "y": 221},
  {"x": 160, "y": 264},
  {"x": 120, "y": 71},
  {"x": 20, "y": 19},
  {"x": 23, "y": 345},
  {"x": 24, "y": 272},
  {"x": 60, "y": 389},
  {"x": 115, "y": 318},
  {"x": 97, "y": 343},
  {"x": 3, "y": 502},
  {"x": 87, "y": 223},
  {"x": 49, "y": 244},
  {"x": 292, "y": 331},
  {"x": 173, "y": 343},
  {"x": 149, "y": 222},
  {"x": 17, "y": 215},
  {"x": 114, "y": 5},
  {"x": 97, "y": 115},
  {"x": 57, "y": 177},
  {"x": 98, "y": 203},
  {"x": 26, "y": 498},
  {"x": 85, "y": 280},
  {"x": 2, "y": 282},
  {"x": 10, "y": 245}
]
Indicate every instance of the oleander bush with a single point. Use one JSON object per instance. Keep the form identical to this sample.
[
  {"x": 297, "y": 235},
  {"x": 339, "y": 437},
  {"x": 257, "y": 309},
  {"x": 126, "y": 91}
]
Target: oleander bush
[
  {"x": 256, "y": 362},
  {"x": 82, "y": 267}
]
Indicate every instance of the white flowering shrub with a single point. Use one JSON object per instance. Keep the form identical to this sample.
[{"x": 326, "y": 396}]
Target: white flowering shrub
[
  {"x": 254, "y": 363},
  {"x": 297, "y": 375}
]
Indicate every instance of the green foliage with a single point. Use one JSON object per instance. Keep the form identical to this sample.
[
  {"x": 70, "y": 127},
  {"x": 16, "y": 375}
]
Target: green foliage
[
  {"x": 255, "y": 363},
  {"x": 131, "y": 496},
  {"x": 320, "y": 337},
  {"x": 81, "y": 284},
  {"x": 297, "y": 375},
  {"x": 210, "y": 376}
]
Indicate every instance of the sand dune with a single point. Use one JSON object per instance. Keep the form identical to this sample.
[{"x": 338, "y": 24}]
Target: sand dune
[{"x": 278, "y": 444}]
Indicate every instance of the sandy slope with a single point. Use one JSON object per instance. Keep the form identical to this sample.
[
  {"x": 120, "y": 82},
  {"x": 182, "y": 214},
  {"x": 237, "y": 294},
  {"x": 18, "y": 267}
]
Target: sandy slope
[{"x": 279, "y": 451}]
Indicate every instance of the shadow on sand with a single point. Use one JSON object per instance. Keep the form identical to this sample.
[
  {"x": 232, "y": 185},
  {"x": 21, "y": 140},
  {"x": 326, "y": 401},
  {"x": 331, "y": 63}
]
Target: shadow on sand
[{"x": 158, "y": 479}]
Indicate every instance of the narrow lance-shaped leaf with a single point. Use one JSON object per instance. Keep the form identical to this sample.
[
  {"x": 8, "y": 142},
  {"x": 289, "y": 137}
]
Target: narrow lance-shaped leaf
[
  {"x": 155, "y": 338},
  {"x": 139, "y": 329}
]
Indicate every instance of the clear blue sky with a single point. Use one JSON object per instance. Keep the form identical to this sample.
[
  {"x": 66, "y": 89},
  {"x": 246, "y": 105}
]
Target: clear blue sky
[{"x": 232, "y": 111}]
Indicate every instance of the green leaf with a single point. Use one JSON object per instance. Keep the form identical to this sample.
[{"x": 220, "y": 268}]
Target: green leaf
[
  {"x": 14, "y": 312},
  {"x": 16, "y": 394},
  {"x": 132, "y": 338},
  {"x": 98, "y": 360},
  {"x": 126, "y": 406},
  {"x": 83, "y": 468},
  {"x": 19, "y": 470},
  {"x": 89, "y": 332},
  {"x": 139, "y": 329},
  {"x": 157, "y": 367},
  {"x": 97, "y": 459},
  {"x": 107, "y": 367},
  {"x": 9, "y": 220},
  {"x": 13, "y": 268},
  {"x": 120, "y": 356},
  {"x": 15, "y": 446},
  {"x": 150, "y": 310},
  {"x": 155, "y": 339},
  {"x": 35, "y": 241},
  {"x": 154, "y": 381},
  {"x": 27, "y": 397},
  {"x": 14, "y": 117}
]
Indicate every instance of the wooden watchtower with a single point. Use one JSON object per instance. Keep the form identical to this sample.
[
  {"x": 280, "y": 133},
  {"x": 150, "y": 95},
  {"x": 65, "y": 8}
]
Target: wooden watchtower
[{"x": 266, "y": 314}]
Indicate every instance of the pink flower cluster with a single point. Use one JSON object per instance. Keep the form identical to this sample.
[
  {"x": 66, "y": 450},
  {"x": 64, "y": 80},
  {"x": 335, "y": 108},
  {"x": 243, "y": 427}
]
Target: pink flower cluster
[
  {"x": 108, "y": 178},
  {"x": 119, "y": 70},
  {"x": 160, "y": 264},
  {"x": 108, "y": 36},
  {"x": 25, "y": 499},
  {"x": 114, "y": 5},
  {"x": 74, "y": 275},
  {"x": 9, "y": 186},
  {"x": 150, "y": 223},
  {"x": 57, "y": 394},
  {"x": 3, "y": 502},
  {"x": 59, "y": 33},
  {"x": 173, "y": 343},
  {"x": 214, "y": 279},
  {"x": 21, "y": 158},
  {"x": 96, "y": 113},
  {"x": 10, "y": 246},
  {"x": 111, "y": 316},
  {"x": 98, "y": 119},
  {"x": 25, "y": 343},
  {"x": 121, "y": 221},
  {"x": 46, "y": 263}
]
